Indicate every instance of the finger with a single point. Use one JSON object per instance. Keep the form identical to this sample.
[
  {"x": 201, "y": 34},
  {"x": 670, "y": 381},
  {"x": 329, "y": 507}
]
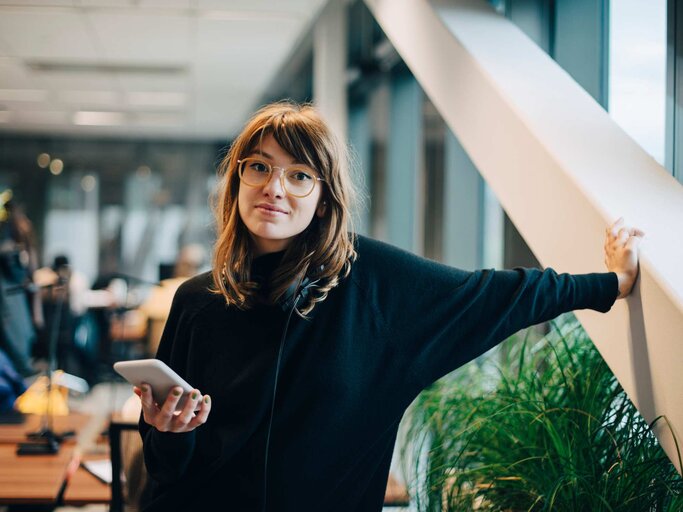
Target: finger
[
  {"x": 149, "y": 408},
  {"x": 613, "y": 227},
  {"x": 187, "y": 413},
  {"x": 146, "y": 397},
  {"x": 202, "y": 414},
  {"x": 622, "y": 238},
  {"x": 169, "y": 406}
]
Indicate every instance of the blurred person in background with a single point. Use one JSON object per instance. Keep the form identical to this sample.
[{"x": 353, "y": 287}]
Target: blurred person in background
[
  {"x": 20, "y": 303},
  {"x": 190, "y": 261},
  {"x": 67, "y": 301}
]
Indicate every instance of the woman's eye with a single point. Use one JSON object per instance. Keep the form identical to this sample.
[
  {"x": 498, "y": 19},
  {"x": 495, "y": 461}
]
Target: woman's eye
[
  {"x": 300, "y": 176},
  {"x": 258, "y": 167}
]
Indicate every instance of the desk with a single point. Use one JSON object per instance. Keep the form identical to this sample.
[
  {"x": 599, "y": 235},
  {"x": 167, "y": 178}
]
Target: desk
[
  {"x": 39, "y": 479},
  {"x": 32, "y": 478},
  {"x": 83, "y": 488},
  {"x": 16, "y": 433}
]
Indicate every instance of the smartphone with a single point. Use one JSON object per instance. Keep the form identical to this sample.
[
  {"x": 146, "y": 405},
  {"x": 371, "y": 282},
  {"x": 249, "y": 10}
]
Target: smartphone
[{"x": 158, "y": 375}]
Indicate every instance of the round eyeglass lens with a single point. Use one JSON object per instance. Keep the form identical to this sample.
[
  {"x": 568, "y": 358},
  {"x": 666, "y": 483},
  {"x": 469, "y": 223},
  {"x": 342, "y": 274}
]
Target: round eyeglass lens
[
  {"x": 298, "y": 180},
  {"x": 254, "y": 171}
]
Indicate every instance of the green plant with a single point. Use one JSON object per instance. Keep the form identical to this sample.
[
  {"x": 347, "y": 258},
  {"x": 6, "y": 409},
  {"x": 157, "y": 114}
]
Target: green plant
[{"x": 556, "y": 433}]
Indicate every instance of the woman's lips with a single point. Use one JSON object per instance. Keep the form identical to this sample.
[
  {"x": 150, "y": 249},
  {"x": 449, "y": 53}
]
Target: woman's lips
[{"x": 270, "y": 212}]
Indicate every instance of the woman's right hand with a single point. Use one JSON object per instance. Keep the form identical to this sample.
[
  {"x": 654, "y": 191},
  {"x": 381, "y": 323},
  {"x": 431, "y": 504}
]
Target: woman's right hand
[{"x": 165, "y": 419}]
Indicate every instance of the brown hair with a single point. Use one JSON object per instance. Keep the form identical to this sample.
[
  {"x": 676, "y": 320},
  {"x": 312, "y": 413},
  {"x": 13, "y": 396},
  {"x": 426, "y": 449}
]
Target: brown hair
[{"x": 324, "y": 251}]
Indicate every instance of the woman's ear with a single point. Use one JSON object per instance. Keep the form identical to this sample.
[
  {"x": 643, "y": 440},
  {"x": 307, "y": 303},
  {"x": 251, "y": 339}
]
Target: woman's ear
[{"x": 322, "y": 208}]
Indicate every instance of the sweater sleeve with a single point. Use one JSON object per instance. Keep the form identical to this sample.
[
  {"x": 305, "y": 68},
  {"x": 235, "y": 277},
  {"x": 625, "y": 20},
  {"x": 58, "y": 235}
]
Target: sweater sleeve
[
  {"x": 167, "y": 454},
  {"x": 443, "y": 317}
]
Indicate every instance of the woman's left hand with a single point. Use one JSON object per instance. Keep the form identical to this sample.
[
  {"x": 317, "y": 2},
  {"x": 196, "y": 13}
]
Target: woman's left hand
[{"x": 621, "y": 254}]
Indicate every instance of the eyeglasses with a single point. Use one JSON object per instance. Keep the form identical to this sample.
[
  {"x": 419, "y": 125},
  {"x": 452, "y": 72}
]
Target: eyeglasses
[{"x": 297, "y": 180}]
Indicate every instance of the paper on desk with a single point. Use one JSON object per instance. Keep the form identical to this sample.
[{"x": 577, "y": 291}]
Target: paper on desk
[{"x": 100, "y": 468}]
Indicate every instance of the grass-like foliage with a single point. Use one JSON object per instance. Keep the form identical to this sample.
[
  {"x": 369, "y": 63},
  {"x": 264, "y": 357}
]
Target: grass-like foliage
[{"x": 554, "y": 431}]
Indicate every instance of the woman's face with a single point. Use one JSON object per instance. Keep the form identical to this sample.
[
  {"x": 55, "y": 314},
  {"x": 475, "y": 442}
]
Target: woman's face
[{"x": 272, "y": 216}]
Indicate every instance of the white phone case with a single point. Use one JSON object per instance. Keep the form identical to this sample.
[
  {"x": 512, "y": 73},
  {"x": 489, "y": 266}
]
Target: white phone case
[{"x": 158, "y": 375}]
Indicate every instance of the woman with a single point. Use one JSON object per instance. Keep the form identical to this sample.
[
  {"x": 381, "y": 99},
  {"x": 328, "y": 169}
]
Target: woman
[{"x": 300, "y": 411}]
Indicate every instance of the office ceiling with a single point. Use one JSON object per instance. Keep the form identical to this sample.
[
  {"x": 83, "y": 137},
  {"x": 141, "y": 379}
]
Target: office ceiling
[{"x": 150, "y": 68}]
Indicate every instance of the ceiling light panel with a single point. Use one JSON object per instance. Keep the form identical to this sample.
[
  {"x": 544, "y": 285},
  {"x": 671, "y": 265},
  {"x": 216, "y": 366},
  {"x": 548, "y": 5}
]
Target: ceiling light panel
[
  {"x": 107, "y": 3},
  {"x": 46, "y": 35},
  {"x": 91, "y": 118}
]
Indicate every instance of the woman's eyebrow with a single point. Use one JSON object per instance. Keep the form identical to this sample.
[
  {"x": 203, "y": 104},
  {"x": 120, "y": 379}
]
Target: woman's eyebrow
[
  {"x": 262, "y": 153},
  {"x": 270, "y": 157}
]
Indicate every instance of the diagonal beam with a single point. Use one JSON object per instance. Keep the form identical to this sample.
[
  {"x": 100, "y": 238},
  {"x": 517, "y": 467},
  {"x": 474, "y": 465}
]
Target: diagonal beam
[{"x": 563, "y": 170}]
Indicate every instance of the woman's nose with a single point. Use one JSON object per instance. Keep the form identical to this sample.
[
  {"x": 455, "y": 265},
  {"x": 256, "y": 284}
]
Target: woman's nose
[{"x": 274, "y": 186}]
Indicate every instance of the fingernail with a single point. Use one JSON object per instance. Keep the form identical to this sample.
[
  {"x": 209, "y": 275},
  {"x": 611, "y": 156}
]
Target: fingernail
[
  {"x": 144, "y": 388},
  {"x": 177, "y": 392},
  {"x": 206, "y": 399},
  {"x": 194, "y": 395}
]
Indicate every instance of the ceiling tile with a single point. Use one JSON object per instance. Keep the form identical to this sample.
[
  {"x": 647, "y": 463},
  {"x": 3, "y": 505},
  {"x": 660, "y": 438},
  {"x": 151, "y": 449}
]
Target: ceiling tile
[
  {"x": 178, "y": 82},
  {"x": 81, "y": 99},
  {"x": 77, "y": 81},
  {"x": 143, "y": 37},
  {"x": 42, "y": 117},
  {"x": 243, "y": 40},
  {"x": 304, "y": 7},
  {"x": 14, "y": 75},
  {"x": 172, "y": 4},
  {"x": 38, "y": 3},
  {"x": 46, "y": 35}
]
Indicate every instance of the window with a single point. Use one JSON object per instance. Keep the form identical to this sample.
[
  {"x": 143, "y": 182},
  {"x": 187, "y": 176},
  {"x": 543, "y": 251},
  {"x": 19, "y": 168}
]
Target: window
[{"x": 637, "y": 71}]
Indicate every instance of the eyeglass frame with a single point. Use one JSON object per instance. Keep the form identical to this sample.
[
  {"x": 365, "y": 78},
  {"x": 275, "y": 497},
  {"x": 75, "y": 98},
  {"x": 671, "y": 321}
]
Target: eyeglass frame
[{"x": 271, "y": 168}]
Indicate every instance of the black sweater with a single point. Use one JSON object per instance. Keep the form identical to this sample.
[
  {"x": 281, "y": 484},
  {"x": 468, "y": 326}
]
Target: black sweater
[{"x": 395, "y": 325}]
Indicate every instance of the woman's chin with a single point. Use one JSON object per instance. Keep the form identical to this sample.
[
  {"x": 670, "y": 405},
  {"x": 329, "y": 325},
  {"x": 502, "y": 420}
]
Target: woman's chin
[{"x": 270, "y": 240}]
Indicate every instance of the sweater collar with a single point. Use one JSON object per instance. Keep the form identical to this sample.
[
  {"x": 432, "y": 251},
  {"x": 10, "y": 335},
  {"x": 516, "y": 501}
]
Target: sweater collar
[{"x": 262, "y": 267}]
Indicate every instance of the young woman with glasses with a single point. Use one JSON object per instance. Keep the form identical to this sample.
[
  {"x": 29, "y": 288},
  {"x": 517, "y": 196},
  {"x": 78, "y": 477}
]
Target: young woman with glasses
[{"x": 306, "y": 343}]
